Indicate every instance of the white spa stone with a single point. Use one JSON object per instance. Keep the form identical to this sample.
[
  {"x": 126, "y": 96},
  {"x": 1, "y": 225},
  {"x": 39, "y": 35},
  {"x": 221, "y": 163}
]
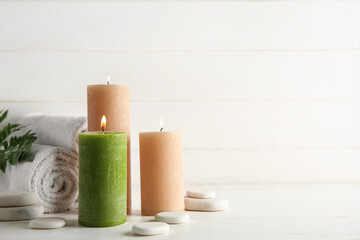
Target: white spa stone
[
  {"x": 150, "y": 228},
  {"x": 206, "y": 205},
  {"x": 172, "y": 217},
  {"x": 200, "y": 194},
  {"x": 47, "y": 223},
  {"x": 18, "y": 198},
  {"x": 21, "y": 213}
]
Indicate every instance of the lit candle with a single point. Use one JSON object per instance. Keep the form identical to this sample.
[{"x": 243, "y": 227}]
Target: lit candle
[
  {"x": 161, "y": 172},
  {"x": 102, "y": 177},
  {"x": 113, "y": 101}
]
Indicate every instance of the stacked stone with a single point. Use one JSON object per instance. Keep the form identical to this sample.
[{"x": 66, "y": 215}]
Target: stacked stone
[
  {"x": 21, "y": 205},
  {"x": 200, "y": 200}
]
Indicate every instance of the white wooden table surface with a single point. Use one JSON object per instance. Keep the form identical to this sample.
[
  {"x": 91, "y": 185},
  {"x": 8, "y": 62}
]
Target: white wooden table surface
[{"x": 257, "y": 211}]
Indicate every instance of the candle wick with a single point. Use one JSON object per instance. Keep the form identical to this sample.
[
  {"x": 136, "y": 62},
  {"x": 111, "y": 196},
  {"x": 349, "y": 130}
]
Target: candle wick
[
  {"x": 161, "y": 129},
  {"x": 102, "y": 128},
  {"x": 108, "y": 82}
]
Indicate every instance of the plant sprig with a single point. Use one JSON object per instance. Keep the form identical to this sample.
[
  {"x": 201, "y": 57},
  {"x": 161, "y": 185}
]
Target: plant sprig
[{"x": 14, "y": 149}]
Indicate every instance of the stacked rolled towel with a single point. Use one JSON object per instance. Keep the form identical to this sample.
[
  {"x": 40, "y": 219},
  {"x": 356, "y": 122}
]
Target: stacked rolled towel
[
  {"x": 60, "y": 131},
  {"x": 53, "y": 176}
]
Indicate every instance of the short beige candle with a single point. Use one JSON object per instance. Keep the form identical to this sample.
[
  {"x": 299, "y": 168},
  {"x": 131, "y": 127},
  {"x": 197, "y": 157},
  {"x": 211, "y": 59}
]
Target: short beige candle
[
  {"x": 113, "y": 101},
  {"x": 161, "y": 172}
]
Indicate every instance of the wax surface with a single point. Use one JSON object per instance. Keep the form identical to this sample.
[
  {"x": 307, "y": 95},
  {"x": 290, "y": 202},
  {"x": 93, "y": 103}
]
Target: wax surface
[
  {"x": 113, "y": 101},
  {"x": 161, "y": 172},
  {"x": 102, "y": 178}
]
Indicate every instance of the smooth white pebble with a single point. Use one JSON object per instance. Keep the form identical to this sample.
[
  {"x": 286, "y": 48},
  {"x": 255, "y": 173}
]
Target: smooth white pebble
[
  {"x": 47, "y": 223},
  {"x": 172, "y": 217},
  {"x": 150, "y": 228}
]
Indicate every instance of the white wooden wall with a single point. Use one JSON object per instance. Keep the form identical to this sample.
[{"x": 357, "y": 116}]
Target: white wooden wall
[{"x": 264, "y": 91}]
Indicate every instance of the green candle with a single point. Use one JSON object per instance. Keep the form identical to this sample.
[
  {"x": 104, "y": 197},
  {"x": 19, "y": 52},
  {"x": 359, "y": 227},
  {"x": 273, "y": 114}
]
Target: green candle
[{"x": 102, "y": 178}]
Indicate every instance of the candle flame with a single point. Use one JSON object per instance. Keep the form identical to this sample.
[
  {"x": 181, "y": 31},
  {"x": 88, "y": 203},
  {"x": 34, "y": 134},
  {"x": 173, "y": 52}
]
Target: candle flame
[
  {"x": 108, "y": 79},
  {"x": 161, "y": 124},
  {"x": 103, "y": 123}
]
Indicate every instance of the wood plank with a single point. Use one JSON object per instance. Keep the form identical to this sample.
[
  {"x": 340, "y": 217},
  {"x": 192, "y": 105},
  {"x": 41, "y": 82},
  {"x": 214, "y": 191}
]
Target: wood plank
[
  {"x": 224, "y": 76},
  {"x": 236, "y": 125},
  {"x": 210, "y": 166},
  {"x": 243, "y": 25}
]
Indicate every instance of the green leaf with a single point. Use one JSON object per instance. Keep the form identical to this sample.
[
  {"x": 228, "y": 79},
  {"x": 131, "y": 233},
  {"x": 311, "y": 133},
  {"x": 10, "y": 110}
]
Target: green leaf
[
  {"x": 3, "y": 166},
  {"x": 3, "y": 115},
  {"x": 2, "y": 161},
  {"x": 18, "y": 148},
  {"x": 14, "y": 157},
  {"x": 26, "y": 157},
  {"x": 7, "y": 130}
]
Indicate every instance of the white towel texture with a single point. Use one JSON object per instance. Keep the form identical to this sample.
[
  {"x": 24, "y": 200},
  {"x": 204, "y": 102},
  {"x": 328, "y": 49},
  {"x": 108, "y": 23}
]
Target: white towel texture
[
  {"x": 60, "y": 131},
  {"x": 53, "y": 175}
]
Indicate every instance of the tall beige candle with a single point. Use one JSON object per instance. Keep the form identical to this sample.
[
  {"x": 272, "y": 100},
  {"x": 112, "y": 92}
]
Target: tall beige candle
[
  {"x": 113, "y": 101},
  {"x": 161, "y": 172}
]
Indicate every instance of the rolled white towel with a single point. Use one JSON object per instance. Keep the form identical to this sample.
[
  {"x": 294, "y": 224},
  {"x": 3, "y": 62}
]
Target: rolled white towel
[
  {"x": 53, "y": 176},
  {"x": 61, "y": 131}
]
